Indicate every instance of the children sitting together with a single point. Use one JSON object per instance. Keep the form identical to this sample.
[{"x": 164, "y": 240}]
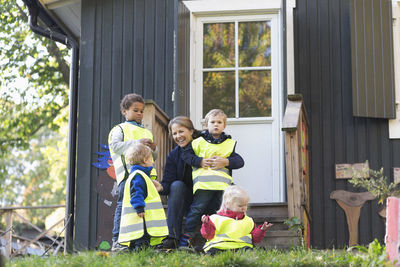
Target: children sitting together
[{"x": 218, "y": 204}]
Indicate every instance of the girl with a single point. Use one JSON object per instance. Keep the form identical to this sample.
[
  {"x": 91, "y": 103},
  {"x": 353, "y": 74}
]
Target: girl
[{"x": 231, "y": 228}]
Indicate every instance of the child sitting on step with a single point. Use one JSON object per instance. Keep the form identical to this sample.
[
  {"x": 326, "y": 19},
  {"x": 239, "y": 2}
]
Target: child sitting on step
[
  {"x": 212, "y": 157},
  {"x": 231, "y": 228},
  {"x": 143, "y": 221}
]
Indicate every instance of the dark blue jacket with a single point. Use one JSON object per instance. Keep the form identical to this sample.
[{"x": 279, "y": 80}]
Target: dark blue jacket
[
  {"x": 175, "y": 169},
  {"x": 139, "y": 188}
]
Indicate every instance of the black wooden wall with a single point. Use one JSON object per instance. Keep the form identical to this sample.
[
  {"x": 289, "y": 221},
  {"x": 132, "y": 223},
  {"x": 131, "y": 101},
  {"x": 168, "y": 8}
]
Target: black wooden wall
[
  {"x": 324, "y": 77},
  {"x": 126, "y": 46}
]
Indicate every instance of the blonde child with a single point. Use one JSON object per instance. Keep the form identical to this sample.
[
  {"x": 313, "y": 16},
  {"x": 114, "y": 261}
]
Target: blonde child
[
  {"x": 231, "y": 228},
  {"x": 120, "y": 138},
  {"x": 212, "y": 157},
  {"x": 143, "y": 221}
]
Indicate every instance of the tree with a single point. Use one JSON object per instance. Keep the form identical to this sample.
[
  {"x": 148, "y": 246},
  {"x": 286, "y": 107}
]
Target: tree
[{"x": 34, "y": 76}]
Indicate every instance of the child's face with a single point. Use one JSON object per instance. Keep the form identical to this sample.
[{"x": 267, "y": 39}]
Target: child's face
[
  {"x": 134, "y": 112},
  {"x": 216, "y": 125},
  {"x": 238, "y": 204},
  {"x": 181, "y": 135},
  {"x": 148, "y": 162}
]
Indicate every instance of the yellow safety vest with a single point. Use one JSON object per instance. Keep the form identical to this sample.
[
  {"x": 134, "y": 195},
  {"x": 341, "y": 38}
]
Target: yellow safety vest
[
  {"x": 230, "y": 233},
  {"x": 131, "y": 226},
  {"x": 206, "y": 178},
  {"x": 130, "y": 132}
]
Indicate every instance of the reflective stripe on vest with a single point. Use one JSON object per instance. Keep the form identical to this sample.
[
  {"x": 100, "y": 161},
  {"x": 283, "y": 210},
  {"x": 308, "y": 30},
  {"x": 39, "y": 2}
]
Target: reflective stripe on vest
[
  {"x": 130, "y": 132},
  {"x": 131, "y": 226},
  {"x": 206, "y": 178},
  {"x": 230, "y": 233}
]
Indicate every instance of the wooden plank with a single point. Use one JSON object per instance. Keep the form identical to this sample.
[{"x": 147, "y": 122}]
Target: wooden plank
[
  {"x": 9, "y": 230},
  {"x": 128, "y": 48},
  {"x": 149, "y": 45},
  {"x": 87, "y": 60},
  {"x": 292, "y": 115},
  {"x": 159, "y": 52},
  {"x": 138, "y": 36}
]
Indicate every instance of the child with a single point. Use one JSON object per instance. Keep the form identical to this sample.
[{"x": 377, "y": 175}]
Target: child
[
  {"x": 231, "y": 228},
  {"x": 121, "y": 137},
  {"x": 143, "y": 221},
  {"x": 212, "y": 157}
]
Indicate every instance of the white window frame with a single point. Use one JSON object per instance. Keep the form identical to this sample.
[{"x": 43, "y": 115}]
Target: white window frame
[
  {"x": 210, "y": 11},
  {"x": 221, "y": 10}
]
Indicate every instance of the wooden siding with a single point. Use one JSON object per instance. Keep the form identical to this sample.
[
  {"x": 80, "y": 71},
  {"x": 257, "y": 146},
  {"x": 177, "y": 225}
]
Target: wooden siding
[
  {"x": 126, "y": 46},
  {"x": 183, "y": 88},
  {"x": 372, "y": 58},
  {"x": 324, "y": 78}
]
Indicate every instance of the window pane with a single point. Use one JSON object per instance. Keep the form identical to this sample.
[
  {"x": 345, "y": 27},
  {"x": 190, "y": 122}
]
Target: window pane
[
  {"x": 254, "y": 44},
  {"x": 255, "y": 93},
  {"x": 219, "y": 92},
  {"x": 219, "y": 45}
]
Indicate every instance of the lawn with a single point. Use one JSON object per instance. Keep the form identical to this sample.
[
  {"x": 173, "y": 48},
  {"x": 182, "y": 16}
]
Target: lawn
[{"x": 372, "y": 256}]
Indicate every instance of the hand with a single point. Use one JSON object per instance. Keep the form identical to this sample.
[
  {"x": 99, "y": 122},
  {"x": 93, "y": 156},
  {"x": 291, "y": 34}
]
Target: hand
[
  {"x": 205, "y": 219},
  {"x": 148, "y": 142},
  {"x": 141, "y": 215},
  {"x": 218, "y": 162},
  {"x": 265, "y": 226},
  {"x": 205, "y": 163},
  {"x": 157, "y": 185}
]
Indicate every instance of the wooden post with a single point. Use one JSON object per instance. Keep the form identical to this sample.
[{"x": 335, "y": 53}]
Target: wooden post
[
  {"x": 295, "y": 125},
  {"x": 156, "y": 121},
  {"x": 9, "y": 226},
  {"x": 351, "y": 203}
]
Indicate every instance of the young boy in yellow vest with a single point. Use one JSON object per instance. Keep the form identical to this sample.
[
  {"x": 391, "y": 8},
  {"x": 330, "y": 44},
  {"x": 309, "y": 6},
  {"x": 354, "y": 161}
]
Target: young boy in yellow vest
[
  {"x": 231, "y": 228},
  {"x": 120, "y": 138},
  {"x": 143, "y": 221},
  {"x": 212, "y": 157}
]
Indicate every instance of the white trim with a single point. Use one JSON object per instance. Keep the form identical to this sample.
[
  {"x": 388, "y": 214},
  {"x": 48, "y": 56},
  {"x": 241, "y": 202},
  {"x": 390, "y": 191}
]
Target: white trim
[
  {"x": 394, "y": 125},
  {"x": 212, "y": 6},
  {"x": 290, "y": 5},
  {"x": 211, "y": 11}
]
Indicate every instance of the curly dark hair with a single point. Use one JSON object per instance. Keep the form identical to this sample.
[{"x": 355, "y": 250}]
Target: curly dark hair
[{"x": 129, "y": 99}]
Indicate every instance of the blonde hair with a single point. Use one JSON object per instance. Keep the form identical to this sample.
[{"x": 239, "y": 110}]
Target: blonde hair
[
  {"x": 231, "y": 194},
  {"x": 137, "y": 154},
  {"x": 213, "y": 113}
]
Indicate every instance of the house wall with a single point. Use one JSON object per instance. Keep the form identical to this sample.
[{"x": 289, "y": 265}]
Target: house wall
[
  {"x": 126, "y": 46},
  {"x": 324, "y": 78}
]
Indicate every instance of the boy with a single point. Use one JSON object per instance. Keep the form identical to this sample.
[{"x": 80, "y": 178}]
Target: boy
[
  {"x": 143, "y": 221},
  {"x": 121, "y": 137},
  {"x": 212, "y": 157}
]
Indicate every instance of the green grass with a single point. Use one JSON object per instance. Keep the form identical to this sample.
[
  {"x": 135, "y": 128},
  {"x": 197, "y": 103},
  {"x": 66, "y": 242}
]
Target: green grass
[{"x": 258, "y": 257}]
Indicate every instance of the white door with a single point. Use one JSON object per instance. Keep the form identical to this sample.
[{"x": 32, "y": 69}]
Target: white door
[{"x": 236, "y": 68}]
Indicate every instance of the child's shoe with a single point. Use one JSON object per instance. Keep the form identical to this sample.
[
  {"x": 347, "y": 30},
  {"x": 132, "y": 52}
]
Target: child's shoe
[
  {"x": 170, "y": 243},
  {"x": 185, "y": 243},
  {"x": 117, "y": 247}
]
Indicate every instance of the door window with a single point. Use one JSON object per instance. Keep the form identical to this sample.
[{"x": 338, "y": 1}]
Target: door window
[{"x": 237, "y": 68}]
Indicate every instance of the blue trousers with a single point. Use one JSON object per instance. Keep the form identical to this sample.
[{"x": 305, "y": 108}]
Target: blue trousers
[
  {"x": 204, "y": 202},
  {"x": 179, "y": 200},
  {"x": 118, "y": 211}
]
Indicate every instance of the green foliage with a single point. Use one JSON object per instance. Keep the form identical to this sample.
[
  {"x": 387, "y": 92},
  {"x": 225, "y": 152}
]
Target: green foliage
[
  {"x": 294, "y": 224},
  {"x": 257, "y": 257},
  {"x": 34, "y": 75},
  {"x": 377, "y": 184},
  {"x": 374, "y": 255}
]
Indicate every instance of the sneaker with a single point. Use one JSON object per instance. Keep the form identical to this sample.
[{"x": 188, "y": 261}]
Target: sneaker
[
  {"x": 170, "y": 243},
  {"x": 185, "y": 241},
  {"x": 117, "y": 247}
]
